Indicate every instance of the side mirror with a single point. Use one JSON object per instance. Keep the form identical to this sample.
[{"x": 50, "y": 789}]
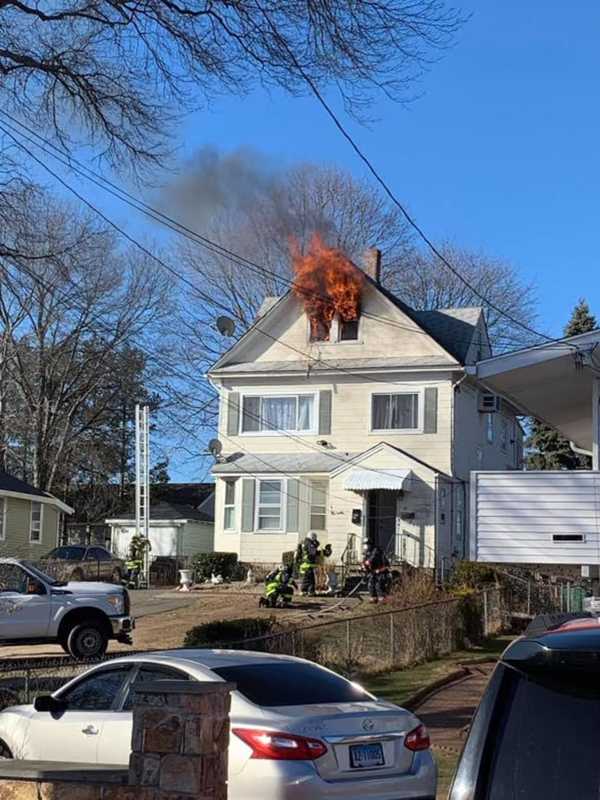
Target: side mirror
[{"x": 53, "y": 705}]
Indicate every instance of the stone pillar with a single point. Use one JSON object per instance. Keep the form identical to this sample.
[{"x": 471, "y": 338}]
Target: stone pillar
[{"x": 180, "y": 739}]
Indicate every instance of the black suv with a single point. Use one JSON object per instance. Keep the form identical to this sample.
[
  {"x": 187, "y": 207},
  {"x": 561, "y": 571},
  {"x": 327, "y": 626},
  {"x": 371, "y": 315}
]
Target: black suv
[{"x": 536, "y": 733}]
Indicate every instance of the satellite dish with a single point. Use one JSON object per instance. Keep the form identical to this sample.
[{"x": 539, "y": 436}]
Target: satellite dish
[
  {"x": 225, "y": 326},
  {"x": 215, "y": 447}
]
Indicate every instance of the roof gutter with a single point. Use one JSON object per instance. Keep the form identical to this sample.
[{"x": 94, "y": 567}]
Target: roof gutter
[{"x": 38, "y": 498}]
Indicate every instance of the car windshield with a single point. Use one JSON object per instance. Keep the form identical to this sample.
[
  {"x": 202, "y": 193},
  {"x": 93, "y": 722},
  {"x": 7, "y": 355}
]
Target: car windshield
[
  {"x": 290, "y": 683},
  {"x": 543, "y": 744},
  {"x": 42, "y": 575},
  {"x": 68, "y": 553}
]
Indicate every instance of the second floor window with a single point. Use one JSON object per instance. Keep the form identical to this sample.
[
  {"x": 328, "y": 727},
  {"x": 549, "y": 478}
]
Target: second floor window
[
  {"x": 35, "y": 530},
  {"x": 395, "y": 412},
  {"x": 261, "y": 414}
]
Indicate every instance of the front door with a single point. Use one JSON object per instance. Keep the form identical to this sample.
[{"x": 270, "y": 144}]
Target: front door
[{"x": 381, "y": 519}]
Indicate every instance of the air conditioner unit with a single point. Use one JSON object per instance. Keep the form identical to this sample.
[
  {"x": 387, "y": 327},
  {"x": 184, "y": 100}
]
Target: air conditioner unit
[{"x": 489, "y": 403}]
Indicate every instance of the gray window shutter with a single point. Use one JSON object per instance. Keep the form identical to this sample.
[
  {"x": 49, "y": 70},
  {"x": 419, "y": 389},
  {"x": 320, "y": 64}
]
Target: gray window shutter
[
  {"x": 431, "y": 410},
  {"x": 303, "y": 506},
  {"x": 233, "y": 413},
  {"x": 248, "y": 490},
  {"x": 293, "y": 486},
  {"x": 325, "y": 398}
]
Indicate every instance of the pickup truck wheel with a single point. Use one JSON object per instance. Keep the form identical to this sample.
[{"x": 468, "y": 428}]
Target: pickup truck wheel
[
  {"x": 116, "y": 576},
  {"x": 77, "y": 575},
  {"x": 5, "y": 754},
  {"x": 87, "y": 640}
]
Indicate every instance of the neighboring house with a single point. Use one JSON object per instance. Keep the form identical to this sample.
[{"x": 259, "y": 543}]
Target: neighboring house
[
  {"x": 176, "y": 531},
  {"x": 30, "y": 520},
  {"x": 544, "y": 517},
  {"x": 370, "y": 434}
]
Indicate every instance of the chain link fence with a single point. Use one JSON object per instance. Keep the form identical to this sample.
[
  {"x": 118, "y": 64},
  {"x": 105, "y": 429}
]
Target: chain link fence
[{"x": 388, "y": 639}]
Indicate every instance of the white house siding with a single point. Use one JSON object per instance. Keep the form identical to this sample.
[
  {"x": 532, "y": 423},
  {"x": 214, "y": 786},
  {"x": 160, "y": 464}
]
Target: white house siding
[
  {"x": 376, "y": 339},
  {"x": 472, "y": 451},
  {"x": 170, "y": 541},
  {"x": 515, "y": 515},
  {"x": 418, "y": 534},
  {"x": 350, "y": 416}
]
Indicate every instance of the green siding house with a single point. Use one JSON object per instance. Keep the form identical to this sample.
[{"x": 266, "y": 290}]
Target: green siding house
[{"x": 30, "y": 519}]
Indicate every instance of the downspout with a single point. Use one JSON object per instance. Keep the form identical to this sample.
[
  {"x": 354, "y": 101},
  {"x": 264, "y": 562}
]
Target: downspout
[{"x": 455, "y": 386}]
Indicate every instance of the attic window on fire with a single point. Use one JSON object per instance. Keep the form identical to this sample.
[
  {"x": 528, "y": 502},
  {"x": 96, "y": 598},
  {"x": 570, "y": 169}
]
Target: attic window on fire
[{"x": 319, "y": 330}]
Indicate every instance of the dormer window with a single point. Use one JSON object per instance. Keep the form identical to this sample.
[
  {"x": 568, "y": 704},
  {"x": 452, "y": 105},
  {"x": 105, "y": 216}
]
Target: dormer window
[
  {"x": 319, "y": 330},
  {"x": 348, "y": 331}
]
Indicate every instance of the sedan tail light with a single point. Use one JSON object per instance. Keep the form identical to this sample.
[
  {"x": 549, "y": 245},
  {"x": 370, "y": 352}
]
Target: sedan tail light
[
  {"x": 417, "y": 739},
  {"x": 281, "y": 746}
]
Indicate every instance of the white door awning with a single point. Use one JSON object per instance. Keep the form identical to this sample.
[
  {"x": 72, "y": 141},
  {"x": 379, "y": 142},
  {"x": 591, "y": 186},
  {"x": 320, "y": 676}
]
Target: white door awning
[{"x": 362, "y": 480}]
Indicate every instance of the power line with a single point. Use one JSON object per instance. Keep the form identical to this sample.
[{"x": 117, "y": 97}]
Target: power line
[
  {"x": 315, "y": 90},
  {"x": 174, "y": 272},
  {"x": 158, "y": 216}
]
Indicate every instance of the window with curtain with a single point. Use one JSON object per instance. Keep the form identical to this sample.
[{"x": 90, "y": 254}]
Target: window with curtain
[
  {"x": 269, "y": 505},
  {"x": 261, "y": 414},
  {"x": 229, "y": 515},
  {"x": 2, "y": 518},
  {"x": 318, "y": 505},
  {"x": 395, "y": 412},
  {"x": 35, "y": 529}
]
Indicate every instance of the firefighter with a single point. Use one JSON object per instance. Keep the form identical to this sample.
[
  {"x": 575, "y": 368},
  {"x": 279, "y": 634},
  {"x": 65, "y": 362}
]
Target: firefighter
[
  {"x": 135, "y": 560},
  {"x": 310, "y": 556},
  {"x": 377, "y": 567},
  {"x": 279, "y": 588}
]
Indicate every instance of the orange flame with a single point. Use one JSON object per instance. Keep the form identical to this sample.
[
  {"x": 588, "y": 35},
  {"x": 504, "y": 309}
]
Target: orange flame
[{"x": 327, "y": 283}]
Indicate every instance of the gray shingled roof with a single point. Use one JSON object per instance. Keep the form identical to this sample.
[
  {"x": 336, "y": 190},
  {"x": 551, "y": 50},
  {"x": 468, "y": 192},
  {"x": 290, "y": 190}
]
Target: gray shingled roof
[
  {"x": 453, "y": 328},
  {"x": 8, "y": 483},
  {"x": 298, "y": 365},
  {"x": 241, "y": 463},
  {"x": 176, "y": 511}
]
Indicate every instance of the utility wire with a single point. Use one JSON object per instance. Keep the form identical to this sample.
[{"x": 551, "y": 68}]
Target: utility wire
[
  {"x": 380, "y": 180},
  {"x": 175, "y": 273},
  {"x": 212, "y": 246}
]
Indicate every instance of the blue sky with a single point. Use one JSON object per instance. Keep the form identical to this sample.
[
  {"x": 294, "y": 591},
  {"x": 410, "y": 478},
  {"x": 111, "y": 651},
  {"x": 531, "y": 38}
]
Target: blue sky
[{"x": 500, "y": 153}]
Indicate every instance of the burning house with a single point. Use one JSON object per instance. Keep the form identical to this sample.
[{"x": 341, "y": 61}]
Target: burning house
[{"x": 345, "y": 411}]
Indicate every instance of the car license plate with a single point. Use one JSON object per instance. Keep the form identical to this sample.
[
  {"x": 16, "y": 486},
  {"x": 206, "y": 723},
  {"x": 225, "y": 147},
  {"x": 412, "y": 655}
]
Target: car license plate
[{"x": 366, "y": 756}]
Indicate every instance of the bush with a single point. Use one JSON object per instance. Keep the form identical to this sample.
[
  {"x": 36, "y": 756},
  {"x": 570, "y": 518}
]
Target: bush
[
  {"x": 228, "y": 631},
  {"x": 225, "y": 564},
  {"x": 471, "y": 575}
]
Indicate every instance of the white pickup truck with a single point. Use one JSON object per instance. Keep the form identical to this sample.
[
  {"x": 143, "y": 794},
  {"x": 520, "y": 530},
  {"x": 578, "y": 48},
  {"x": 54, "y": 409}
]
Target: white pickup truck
[{"x": 81, "y": 617}]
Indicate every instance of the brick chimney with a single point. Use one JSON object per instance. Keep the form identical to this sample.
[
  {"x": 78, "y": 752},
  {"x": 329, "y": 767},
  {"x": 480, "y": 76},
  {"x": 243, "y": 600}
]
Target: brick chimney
[{"x": 372, "y": 263}]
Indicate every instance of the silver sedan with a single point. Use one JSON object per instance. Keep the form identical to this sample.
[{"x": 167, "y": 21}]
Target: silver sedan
[{"x": 298, "y": 731}]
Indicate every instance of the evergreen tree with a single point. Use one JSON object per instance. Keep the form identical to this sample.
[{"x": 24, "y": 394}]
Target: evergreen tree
[{"x": 548, "y": 449}]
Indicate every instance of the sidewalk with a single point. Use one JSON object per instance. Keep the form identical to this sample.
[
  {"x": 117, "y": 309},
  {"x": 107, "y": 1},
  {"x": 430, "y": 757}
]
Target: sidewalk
[{"x": 447, "y": 713}]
